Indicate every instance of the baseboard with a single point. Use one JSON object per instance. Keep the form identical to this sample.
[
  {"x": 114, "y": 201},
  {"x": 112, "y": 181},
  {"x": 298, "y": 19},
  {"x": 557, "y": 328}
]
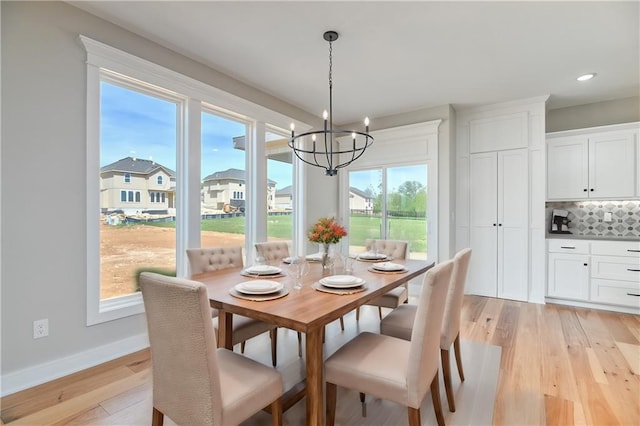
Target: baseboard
[
  {"x": 590, "y": 305},
  {"x": 51, "y": 370}
]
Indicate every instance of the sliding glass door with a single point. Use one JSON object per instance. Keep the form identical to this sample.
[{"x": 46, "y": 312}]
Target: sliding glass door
[{"x": 389, "y": 203}]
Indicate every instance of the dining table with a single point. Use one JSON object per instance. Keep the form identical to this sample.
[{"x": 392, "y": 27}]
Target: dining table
[{"x": 307, "y": 310}]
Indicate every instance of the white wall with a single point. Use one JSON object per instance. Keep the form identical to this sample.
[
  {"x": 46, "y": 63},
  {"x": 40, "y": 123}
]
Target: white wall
[
  {"x": 617, "y": 111},
  {"x": 43, "y": 226}
]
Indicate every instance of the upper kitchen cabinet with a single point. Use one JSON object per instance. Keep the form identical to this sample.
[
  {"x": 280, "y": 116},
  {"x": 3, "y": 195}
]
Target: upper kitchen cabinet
[{"x": 597, "y": 163}]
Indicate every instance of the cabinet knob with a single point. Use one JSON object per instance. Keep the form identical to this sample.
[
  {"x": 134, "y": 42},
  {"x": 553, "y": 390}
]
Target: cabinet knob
[
  {"x": 585, "y": 190},
  {"x": 591, "y": 190},
  {"x": 494, "y": 224},
  {"x": 586, "y": 264},
  {"x": 499, "y": 224}
]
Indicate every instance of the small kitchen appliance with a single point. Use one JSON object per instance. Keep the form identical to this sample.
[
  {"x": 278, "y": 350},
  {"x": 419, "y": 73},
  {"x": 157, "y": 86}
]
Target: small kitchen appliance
[{"x": 559, "y": 222}]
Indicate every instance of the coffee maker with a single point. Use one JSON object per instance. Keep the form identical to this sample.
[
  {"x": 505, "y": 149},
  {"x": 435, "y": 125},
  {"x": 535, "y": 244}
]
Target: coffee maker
[{"x": 559, "y": 222}]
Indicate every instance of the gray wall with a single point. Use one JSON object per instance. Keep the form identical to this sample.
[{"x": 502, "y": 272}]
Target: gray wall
[
  {"x": 43, "y": 175},
  {"x": 616, "y": 111}
]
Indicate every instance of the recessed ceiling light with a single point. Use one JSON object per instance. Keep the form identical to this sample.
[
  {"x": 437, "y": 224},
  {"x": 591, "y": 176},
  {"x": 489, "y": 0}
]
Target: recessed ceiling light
[{"x": 586, "y": 77}]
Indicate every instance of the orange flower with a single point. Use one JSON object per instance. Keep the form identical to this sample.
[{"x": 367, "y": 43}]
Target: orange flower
[{"x": 326, "y": 231}]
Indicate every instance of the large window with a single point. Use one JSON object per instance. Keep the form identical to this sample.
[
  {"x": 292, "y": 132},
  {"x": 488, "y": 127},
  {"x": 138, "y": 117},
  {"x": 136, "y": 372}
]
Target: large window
[
  {"x": 153, "y": 135},
  {"x": 279, "y": 187},
  {"x": 136, "y": 123}
]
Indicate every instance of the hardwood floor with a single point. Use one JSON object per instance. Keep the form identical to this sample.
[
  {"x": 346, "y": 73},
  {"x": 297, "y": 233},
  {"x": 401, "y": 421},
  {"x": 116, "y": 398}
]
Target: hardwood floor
[{"x": 559, "y": 366}]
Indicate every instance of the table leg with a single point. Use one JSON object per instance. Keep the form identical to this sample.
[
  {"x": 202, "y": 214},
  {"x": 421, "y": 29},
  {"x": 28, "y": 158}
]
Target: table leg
[
  {"x": 315, "y": 378},
  {"x": 225, "y": 330}
]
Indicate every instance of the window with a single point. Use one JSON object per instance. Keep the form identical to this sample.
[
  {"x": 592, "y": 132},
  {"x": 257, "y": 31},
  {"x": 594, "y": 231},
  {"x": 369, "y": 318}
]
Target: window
[
  {"x": 159, "y": 180},
  {"x": 280, "y": 175},
  {"x": 227, "y": 133},
  {"x": 127, "y": 178}
]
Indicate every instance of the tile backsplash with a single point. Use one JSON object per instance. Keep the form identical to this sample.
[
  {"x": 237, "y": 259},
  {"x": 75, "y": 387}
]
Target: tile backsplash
[{"x": 586, "y": 218}]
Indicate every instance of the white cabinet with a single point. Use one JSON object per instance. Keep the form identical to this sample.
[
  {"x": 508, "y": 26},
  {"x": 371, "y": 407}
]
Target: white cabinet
[
  {"x": 568, "y": 270},
  {"x": 499, "y": 201},
  {"x": 593, "y": 165},
  {"x": 595, "y": 272}
]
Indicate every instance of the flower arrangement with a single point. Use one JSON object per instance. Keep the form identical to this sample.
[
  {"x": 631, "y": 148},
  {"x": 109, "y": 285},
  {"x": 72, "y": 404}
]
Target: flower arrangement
[{"x": 326, "y": 231}]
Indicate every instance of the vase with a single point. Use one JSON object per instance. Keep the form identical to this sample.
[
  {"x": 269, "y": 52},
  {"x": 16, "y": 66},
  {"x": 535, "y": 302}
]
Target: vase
[{"x": 326, "y": 256}]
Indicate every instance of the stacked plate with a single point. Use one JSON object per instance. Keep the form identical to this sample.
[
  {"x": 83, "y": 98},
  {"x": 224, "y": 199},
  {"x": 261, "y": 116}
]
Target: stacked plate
[
  {"x": 341, "y": 281},
  {"x": 388, "y": 267},
  {"x": 372, "y": 256},
  {"x": 259, "y": 287},
  {"x": 262, "y": 270}
]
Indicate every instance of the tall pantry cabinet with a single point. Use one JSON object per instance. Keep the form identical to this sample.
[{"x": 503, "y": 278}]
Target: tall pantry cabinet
[{"x": 500, "y": 194}]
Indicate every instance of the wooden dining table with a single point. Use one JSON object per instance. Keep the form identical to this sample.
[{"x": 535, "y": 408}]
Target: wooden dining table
[{"x": 306, "y": 310}]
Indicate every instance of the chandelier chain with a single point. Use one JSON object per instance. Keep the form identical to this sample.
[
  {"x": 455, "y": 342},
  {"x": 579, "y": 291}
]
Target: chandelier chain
[{"x": 330, "y": 64}]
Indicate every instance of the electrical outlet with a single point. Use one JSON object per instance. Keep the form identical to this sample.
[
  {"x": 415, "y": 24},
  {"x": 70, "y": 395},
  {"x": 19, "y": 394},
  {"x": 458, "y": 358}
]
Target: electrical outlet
[{"x": 40, "y": 328}]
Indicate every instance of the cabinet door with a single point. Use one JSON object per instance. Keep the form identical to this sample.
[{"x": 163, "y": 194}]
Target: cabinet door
[
  {"x": 612, "y": 165},
  {"x": 567, "y": 168},
  {"x": 513, "y": 219},
  {"x": 568, "y": 276},
  {"x": 482, "y": 276}
]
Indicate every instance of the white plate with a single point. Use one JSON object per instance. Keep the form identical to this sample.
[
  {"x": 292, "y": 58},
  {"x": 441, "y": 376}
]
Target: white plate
[
  {"x": 262, "y": 270},
  {"x": 342, "y": 281},
  {"x": 372, "y": 256},
  {"x": 387, "y": 266},
  {"x": 259, "y": 287}
]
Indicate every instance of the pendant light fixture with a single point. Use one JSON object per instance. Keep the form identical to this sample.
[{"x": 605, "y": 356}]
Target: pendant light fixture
[{"x": 320, "y": 148}]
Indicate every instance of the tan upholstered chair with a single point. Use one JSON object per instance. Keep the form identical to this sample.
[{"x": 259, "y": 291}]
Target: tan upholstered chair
[
  {"x": 399, "y": 295},
  {"x": 399, "y": 322},
  {"x": 273, "y": 250},
  {"x": 395, "y": 369},
  {"x": 215, "y": 258},
  {"x": 193, "y": 382}
]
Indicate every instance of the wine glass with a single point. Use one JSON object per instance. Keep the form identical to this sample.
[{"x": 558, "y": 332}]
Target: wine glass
[{"x": 299, "y": 268}]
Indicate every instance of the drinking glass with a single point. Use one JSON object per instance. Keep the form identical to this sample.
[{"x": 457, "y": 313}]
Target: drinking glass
[{"x": 299, "y": 268}]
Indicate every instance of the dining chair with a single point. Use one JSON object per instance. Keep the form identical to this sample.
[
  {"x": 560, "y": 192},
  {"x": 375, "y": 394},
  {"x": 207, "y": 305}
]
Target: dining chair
[
  {"x": 396, "y": 249},
  {"x": 399, "y": 322},
  {"x": 273, "y": 250},
  {"x": 391, "y": 368},
  {"x": 193, "y": 382},
  {"x": 208, "y": 259}
]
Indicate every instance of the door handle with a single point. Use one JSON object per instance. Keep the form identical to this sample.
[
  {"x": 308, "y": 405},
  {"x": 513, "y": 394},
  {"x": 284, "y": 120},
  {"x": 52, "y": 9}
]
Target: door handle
[
  {"x": 633, "y": 270},
  {"x": 633, "y": 251},
  {"x": 633, "y": 294},
  {"x": 568, "y": 247}
]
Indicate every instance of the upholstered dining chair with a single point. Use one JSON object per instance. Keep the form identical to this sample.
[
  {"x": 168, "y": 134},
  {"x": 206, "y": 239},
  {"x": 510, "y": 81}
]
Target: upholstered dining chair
[
  {"x": 215, "y": 258},
  {"x": 396, "y": 249},
  {"x": 395, "y": 369},
  {"x": 399, "y": 322},
  {"x": 193, "y": 382},
  {"x": 273, "y": 250}
]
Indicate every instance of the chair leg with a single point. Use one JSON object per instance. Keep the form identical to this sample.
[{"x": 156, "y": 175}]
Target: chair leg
[
  {"x": 274, "y": 346},
  {"x": 342, "y": 323},
  {"x": 332, "y": 391},
  {"x": 276, "y": 412},
  {"x": 414, "y": 416},
  {"x": 456, "y": 350},
  {"x": 358, "y": 314},
  {"x": 446, "y": 372},
  {"x": 157, "y": 418},
  {"x": 435, "y": 397},
  {"x": 299, "y": 344},
  {"x": 242, "y": 346},
  {"x": 364, "y": 404},
  {"x": 380, "y": 313}
]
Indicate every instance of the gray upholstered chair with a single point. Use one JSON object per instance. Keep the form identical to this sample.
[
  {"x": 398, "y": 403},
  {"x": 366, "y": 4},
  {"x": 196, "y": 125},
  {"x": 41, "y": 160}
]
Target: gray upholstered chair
[
  {"x": 399, "y": 322},
  {"x": 273, "y": 250},
  {"x": 215, "y": 258},
  {"x": 193, "y": 382},
  {"x": 396, "y": 249},
  {"x": 395, "y": 369}
]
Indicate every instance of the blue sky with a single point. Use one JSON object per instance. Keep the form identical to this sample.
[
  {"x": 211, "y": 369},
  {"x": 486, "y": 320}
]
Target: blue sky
[{"x": 137, "y": 125}]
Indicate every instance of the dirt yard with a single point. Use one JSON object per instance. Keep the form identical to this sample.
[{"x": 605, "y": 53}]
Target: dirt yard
[{"x": 125, "y": 250}]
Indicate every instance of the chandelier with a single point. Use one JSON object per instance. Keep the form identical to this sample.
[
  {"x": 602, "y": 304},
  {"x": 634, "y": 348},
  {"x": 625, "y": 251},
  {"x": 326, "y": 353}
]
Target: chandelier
[{"x": 319, "y": 150}]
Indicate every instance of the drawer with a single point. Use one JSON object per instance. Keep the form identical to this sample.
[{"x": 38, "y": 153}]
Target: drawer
[
  {"x": 615, "y": 268},
  {"x": 616, "y": 248},
  {"x": 616, "y": 292},
  {"x": 568, "y": 246}
]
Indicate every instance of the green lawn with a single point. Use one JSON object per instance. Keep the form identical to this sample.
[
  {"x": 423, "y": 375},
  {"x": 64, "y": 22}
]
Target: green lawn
[{"x": 362, "y": 227}]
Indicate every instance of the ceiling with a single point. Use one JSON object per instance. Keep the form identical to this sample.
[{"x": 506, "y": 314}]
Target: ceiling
[{"x": 396, "y": 57}]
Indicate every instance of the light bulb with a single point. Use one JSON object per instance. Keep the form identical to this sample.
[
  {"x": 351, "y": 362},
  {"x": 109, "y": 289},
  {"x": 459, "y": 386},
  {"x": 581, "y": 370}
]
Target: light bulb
[
  {"x": 325, "y": 114},
  {"x": 293, "y": 126},
  {"x": 366, "y": 121}
]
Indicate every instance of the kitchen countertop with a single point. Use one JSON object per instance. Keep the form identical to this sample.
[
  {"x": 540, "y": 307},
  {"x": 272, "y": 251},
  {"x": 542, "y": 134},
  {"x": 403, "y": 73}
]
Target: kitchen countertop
[{"x": 589, "y": 237}]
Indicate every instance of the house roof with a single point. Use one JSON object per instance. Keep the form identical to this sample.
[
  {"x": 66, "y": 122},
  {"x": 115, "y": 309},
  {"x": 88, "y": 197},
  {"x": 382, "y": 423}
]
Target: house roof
[
  {"x": 287, "y": 190},
  {"x": 136, "y": 165},
  {"x": 233, "y": 174},
  {"x": 360, "y": 193}
]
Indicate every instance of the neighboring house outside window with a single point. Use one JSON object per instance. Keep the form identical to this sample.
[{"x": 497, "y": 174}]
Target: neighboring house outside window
[{"x": 222, "y": 188}]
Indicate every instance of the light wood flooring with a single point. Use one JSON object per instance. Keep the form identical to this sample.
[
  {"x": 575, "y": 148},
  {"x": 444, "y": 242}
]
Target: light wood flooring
[{"x": 559, "y": 366}]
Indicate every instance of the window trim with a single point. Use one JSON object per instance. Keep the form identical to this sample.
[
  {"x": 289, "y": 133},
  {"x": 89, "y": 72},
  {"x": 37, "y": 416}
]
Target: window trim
[{"x": 196, "y": 97}]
